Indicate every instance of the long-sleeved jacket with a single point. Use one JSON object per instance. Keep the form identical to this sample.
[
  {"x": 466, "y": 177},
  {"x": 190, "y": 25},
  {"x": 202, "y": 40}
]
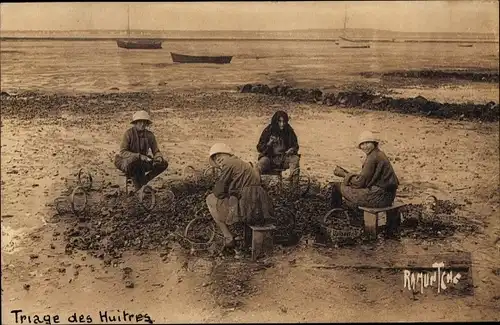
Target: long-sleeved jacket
[
  {"x": 289, "y": 139},
  {"x": 239, "y": 179},
  {"x": 376, "y": 171},
  {"x": 135, "y": 143}
]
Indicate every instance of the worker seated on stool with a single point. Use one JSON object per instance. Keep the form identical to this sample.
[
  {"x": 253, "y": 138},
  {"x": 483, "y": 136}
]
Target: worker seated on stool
[
  {"x": 374, "y": 187},
  {"x": 133, "y": 158},
  {"x": 238, "y": 194},
  {"x": 278, "y": 145}
]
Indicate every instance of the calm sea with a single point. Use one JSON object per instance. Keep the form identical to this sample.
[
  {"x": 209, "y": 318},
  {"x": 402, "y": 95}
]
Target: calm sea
[{"x": 96, "y": 66}]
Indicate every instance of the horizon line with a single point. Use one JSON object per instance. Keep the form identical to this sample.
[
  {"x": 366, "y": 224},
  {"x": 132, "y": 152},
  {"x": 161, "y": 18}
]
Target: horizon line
[
  {"x": 233, "y": 30},
  {"x": 422, "y": 40}
]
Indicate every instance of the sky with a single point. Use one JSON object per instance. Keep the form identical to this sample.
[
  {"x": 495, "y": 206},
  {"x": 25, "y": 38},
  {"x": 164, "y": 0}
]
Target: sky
[{"x": 476, "y": 16}]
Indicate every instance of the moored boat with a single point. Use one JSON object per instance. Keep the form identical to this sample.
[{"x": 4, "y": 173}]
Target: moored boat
[
  {"x": 355, "y": 46},
  {"x": 139, "y": 44},
  {"x": 145, "y": 44},
  {"x": 347, "y": 43},
  {"x": 182, "y": 58}
]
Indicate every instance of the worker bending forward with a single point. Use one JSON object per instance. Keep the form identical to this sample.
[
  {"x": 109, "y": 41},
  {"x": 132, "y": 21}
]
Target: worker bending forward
[{"x": 238, "y": 195}]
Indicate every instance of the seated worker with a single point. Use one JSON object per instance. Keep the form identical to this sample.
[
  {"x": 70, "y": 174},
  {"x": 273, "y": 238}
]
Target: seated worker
[
  {"x": 238, "y": 194},
  {"x": 278, "y": 145},
  {"x": 374, "y": 187},
  {"x": 133, "y": 158}
]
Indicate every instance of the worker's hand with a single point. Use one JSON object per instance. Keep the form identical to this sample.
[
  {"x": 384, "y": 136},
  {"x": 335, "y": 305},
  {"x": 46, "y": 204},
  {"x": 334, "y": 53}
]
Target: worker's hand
[
  {"x": 289, "y": 151},
  {"x": 339, "y": 171},
  {"x": 272, "y": 140},
  {"x": 145, "y": 158},
  {"x": 158, "y": 160}
]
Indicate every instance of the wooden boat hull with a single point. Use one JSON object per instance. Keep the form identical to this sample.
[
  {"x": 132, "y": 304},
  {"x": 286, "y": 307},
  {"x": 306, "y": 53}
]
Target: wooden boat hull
[
  {"x": 139, "y": 44},
  {"x": 351, "y": 40},
  {"x": 353, "y": 44},
  {"x": 355, "y": 47},
  {"x": 181, "y": 58}
]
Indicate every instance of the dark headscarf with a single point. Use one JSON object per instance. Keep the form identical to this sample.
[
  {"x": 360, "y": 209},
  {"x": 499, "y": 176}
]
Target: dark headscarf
[
  {"x": 288, "y": 135},
  {"x": 275, "y": 128}
]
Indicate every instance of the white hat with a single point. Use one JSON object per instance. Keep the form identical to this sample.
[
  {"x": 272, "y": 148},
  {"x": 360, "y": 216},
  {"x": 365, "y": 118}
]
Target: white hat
[
  {"x": 141, "y": 115},
  {"x": 218, "y": 148},
  {"x": 366, "y": 136}
]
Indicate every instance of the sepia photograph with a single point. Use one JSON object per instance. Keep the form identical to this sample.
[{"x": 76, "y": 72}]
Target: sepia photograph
[{"x": 250, "y": 162}]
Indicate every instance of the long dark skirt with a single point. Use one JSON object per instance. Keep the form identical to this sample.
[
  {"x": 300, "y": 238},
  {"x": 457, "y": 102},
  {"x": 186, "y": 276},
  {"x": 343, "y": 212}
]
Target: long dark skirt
[{"x": 373, "y": 197}]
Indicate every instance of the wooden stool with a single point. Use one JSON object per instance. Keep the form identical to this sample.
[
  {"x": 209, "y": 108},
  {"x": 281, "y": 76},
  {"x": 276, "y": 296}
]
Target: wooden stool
[
  {"x": 261, "y": 239},
  {"x": 371, "y": 218}
]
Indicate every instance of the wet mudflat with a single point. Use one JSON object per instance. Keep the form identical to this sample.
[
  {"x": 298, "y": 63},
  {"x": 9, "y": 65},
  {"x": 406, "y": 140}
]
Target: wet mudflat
[
  {"x": 68, "y": 261},
  {"x": 113, "y": 223}
]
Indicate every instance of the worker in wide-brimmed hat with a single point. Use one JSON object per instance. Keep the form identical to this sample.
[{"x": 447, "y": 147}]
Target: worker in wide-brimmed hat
[
  {"x": 375, "y": 186},
  {"x": 237, "y": 194},
  {"x": 139, "y": 155}
]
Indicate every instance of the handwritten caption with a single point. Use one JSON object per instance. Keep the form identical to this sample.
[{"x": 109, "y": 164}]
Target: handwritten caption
[
  {"x": 440, "y": 277},
  {"x": 103, "y": 316}
]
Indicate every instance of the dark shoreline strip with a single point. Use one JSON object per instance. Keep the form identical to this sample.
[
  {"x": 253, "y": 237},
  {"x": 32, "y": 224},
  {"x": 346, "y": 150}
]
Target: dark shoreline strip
[
  {"x": 413, "y": 106},
  {"x": 486, "y": 75}
]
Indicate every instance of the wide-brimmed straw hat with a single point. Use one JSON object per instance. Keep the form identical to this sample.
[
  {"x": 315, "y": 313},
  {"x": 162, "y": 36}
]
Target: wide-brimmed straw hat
[
  {"x": 367, "y": 136},
  {"x": 141, "y": 115},
  {"x": 218, "y": 148}
]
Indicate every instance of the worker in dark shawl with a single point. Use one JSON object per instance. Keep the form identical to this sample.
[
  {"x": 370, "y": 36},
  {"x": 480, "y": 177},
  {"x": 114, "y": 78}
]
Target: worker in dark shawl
[{"x": 278, "y": 146}]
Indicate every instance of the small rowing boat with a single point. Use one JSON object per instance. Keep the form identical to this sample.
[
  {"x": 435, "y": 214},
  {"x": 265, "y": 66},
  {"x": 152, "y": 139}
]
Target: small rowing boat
[{"x": 182, "y": 58}]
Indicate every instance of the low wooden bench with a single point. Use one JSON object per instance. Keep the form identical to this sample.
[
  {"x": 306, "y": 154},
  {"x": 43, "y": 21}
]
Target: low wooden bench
[
  {"x": 371, "y": 218},
  {"x": 261, "y": 239}
]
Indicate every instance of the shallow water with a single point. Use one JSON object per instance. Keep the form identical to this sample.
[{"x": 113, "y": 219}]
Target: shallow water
[{"x": 96, "y": 66}]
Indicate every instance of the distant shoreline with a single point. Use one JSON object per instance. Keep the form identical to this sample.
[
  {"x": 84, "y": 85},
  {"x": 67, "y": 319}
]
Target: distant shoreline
[
  {"x": 156, "y": 38},
  {"x": 8, "y": 38}
]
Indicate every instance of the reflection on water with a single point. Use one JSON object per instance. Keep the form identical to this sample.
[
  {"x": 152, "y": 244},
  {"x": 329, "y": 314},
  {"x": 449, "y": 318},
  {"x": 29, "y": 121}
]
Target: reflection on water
[{"x": 101, "y": 65}]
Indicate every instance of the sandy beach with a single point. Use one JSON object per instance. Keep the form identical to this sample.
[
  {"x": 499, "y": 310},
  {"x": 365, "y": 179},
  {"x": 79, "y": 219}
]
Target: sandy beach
[{"x": 82, "y": 96}]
